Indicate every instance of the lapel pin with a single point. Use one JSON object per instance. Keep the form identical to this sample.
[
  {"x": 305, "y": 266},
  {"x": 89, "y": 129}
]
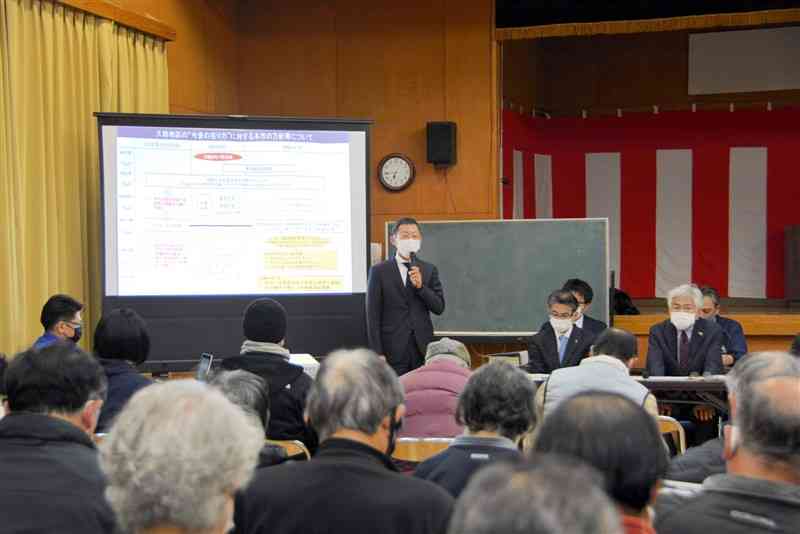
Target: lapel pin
[{"x": 700, "y": 333}]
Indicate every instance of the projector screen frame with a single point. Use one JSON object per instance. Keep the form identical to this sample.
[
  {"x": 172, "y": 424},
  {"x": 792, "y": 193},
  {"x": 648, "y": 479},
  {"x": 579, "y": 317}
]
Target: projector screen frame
[{"x": 249, "y": 122}]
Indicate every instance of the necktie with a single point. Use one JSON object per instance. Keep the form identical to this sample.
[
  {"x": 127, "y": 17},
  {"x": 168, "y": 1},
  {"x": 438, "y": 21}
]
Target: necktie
[
  {"x": 683, "y": 351},
  {"x": 562, "y": 347}
]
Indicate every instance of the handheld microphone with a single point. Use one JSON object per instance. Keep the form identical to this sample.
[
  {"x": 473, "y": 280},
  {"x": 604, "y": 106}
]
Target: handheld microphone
[{"x": 412, "y": 259}]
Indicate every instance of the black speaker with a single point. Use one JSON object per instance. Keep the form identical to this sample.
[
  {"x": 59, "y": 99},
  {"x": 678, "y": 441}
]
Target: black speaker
[{"x": 442, "y": 143}]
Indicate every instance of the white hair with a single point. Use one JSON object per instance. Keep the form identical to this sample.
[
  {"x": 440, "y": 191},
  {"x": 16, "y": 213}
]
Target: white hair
[
  {"x": 175, "y": 454},
  {"x": 686, "y": 290}
]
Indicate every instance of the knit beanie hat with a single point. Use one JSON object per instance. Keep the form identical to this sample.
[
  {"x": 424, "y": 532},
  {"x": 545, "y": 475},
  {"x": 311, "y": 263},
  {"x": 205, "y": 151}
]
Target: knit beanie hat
[
  {"x": 450, "y": 347},
  {"x": 265, "y": 321}
]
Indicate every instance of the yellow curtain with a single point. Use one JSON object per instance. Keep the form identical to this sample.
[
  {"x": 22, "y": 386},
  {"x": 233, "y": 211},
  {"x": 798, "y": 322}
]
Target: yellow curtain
[{"x": 57, "y": 67}]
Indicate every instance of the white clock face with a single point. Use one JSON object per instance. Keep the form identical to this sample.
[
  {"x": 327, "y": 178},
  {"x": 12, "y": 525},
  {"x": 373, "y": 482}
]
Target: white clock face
[{"x": 396, "y": 173}]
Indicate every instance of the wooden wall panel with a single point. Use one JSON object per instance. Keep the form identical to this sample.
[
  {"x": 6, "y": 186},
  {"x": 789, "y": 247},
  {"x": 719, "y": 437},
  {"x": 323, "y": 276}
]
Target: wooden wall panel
[
  {"x": 204, "y": 56},
  {"x": 606, "y": 72},
  {"x": 287, "y": 58},
  {"x": 519, "y": 70},
  {"x": 402, "y": 64}
]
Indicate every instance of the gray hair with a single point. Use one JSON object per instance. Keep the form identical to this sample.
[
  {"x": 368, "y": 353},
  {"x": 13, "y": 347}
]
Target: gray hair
[
  {"x": 498, "y": 397},
  {"x": 450, "y": 349},
  {"x": 248, "y": 391},
  {"x": 175, "y": 454},
  {"x": 554, "y": 495},
  {"x": 768, "y": 422},
  {"x": 355, "y": 390},
  {"x": 686, "y": 290}
]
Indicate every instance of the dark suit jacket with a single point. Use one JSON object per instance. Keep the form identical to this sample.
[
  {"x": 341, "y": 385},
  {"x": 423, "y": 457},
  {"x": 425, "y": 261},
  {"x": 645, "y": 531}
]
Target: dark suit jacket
[
  {"x": 733, "y": 337},
  {"x": 395, "y": 313},
  {"x": 543, "y": 350},
  {"x": 705, "y": 349},
  {"x": 593, "y": 326}
]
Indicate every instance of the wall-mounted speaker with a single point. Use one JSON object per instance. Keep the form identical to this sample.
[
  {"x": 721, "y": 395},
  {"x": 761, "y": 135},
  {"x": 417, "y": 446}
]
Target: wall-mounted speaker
[{"x": 442, "y": 143}]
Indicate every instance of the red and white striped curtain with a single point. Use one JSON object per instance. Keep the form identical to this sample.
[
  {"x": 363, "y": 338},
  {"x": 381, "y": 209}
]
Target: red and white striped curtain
[{"x": 702, "y": 197}]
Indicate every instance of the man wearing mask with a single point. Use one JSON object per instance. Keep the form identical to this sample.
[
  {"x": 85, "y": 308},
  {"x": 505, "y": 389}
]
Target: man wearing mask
[
  {"x": 734, "y": 345},
  {"x": 559, "y": 342},
  {"x": 584, "y": 294},
  {"x": 683, "y": 345},
  {"x": 61, "y": 319},
  {"x": 402, "y": 292}
]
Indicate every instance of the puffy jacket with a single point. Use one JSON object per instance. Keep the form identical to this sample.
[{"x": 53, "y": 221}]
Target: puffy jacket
[
  {"x": 288, "y": 388},
  {"x": 431, "y": 399}
]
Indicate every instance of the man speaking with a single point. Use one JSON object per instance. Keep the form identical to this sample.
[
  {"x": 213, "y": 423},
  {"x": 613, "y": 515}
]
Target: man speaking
[{"x": 401, "y": 293}]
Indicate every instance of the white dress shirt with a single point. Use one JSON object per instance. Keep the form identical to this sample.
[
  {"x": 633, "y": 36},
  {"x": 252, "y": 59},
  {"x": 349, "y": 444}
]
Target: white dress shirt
[{"x": 403, "y": 269}]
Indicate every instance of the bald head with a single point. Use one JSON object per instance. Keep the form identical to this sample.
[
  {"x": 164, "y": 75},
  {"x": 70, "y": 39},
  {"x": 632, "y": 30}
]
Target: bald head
[{"x": 764, "y": 392}]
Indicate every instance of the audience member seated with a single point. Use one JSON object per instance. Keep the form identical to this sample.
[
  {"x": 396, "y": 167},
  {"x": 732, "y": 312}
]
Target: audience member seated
[
  {"x": 761, "y": 490},
  {"x": 51, "y": 481},
  {"x": 734, "y": 344},
  {"x": 175, "y": 458},
  {"x": 351, "y": 485},
  {"x": 251, "y": 393},
  {"x": 607, "y": 369},
  {"x": 683, "y": 345},
  {"x": 618, "y": 438},
  {"x": 497, "y": 410},
  {"x": 551, "y": 495},
  {"x": 558, "y": 343},
  {"x": 61, "y": 319},
  {"x": 795, "y": 348},
  {"x": 432, "y": 391},
  {"x": 121, "y": 343},
  {"x": 584, "y": 294},
  {"x": 698, "y": 463},
  {"x": 264, "y": 353}
]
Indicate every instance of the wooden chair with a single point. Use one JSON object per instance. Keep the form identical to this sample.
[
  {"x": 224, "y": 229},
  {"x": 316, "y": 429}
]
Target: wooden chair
[
  {"x": 670, "y": 425},
  {"x": 419, "y": 449},
  {"x": 292, "y": 447}
]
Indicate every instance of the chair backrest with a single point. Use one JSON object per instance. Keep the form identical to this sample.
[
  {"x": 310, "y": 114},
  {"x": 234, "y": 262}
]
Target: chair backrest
[
  {"x": 419, "y": 449},
  {"x": 670, "y": 425},
  {"x": 292, "y": 447}
]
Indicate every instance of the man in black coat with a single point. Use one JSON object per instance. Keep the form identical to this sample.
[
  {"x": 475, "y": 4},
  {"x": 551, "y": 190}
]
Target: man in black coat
[
  {"x": 351, "y": 485},
  {"x": 402, "y": 293},
  {"x": 760, "y": 493},
  {"x": 559, "y": 343},
  {"x": 51, "y": 479},
  {"x": 263, "y": 353}
]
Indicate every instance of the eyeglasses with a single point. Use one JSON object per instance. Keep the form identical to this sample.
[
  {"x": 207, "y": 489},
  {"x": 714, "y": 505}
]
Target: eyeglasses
[
  {"x": 556, "y": 315},
  {"x": 691, "y": 308},
  {"x": 73, "y": 324}
]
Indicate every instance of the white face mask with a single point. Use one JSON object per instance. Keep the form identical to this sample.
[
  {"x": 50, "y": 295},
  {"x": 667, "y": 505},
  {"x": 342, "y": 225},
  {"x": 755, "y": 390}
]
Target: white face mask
[
  {"x": 406, "y": 246},
  {"x": 682, "y": 320},
  {"x": 560, "y": 325}
]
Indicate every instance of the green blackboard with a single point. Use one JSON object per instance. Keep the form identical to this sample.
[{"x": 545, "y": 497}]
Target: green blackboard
[{"x": 497, "y": 274}]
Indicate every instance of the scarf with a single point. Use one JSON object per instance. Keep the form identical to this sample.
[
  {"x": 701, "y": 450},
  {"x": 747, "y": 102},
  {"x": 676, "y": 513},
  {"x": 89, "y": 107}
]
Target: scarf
[{"x": 258, "y": 346}]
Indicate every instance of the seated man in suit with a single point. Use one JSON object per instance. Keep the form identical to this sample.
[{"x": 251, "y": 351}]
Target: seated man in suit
[
  {"x": 734, "y": 345},
  {"x": 559, "y": 343},
  {"x": 686, "y": 344},
  {"x": 584, "y": 294}
]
